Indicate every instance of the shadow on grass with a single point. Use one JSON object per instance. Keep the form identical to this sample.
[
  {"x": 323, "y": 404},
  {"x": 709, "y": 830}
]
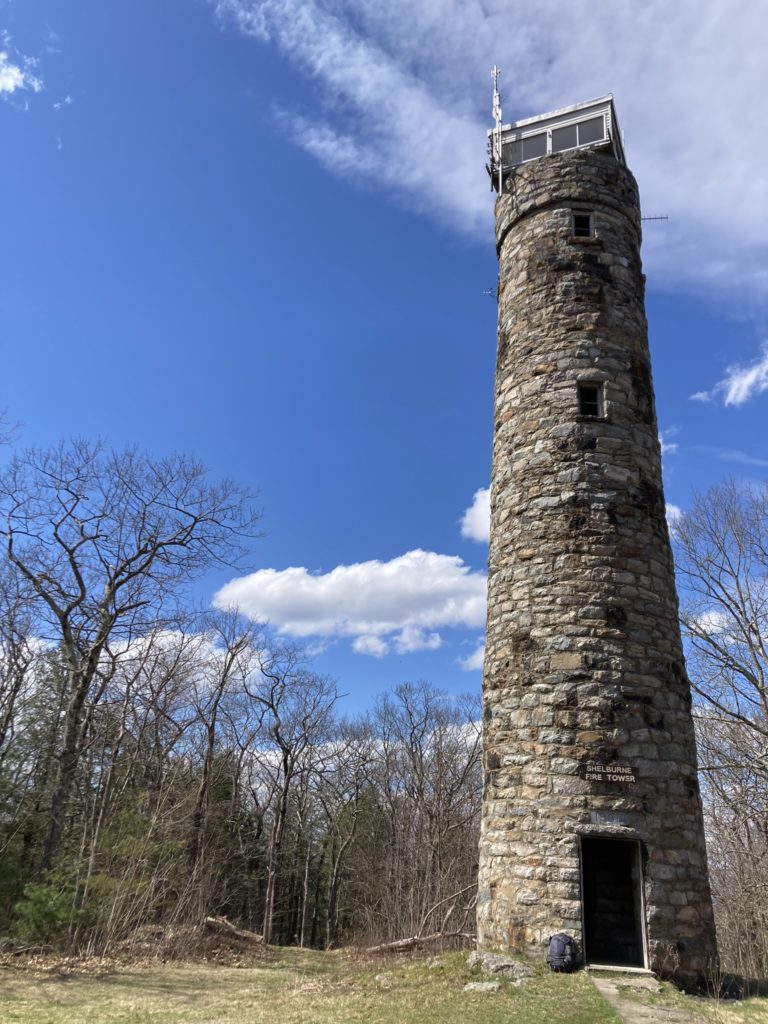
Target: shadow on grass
[{"x": 735, "y": 986}]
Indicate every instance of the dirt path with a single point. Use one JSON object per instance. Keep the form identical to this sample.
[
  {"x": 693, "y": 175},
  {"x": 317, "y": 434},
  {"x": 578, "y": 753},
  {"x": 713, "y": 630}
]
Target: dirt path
[{"x": 635, "y": 1012}]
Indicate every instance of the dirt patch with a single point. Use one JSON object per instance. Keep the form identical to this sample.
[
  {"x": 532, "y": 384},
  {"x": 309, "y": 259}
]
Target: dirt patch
[{"x": 634, "y": 1010}]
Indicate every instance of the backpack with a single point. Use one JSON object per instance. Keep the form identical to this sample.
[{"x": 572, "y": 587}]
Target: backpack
[{"x": 562, "y": 953}]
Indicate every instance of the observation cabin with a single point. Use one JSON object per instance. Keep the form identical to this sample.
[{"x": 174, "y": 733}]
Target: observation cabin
[{"x": 589, "y": 125}]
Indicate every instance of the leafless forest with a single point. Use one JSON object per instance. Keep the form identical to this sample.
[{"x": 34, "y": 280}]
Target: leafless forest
[
  {"x": 159, "y": 763},
  {"x": 721, "y": 553}
]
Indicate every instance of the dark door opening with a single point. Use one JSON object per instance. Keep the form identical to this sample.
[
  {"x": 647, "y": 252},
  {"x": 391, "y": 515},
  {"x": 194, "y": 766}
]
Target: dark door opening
[{"x": 612, "y": 902}]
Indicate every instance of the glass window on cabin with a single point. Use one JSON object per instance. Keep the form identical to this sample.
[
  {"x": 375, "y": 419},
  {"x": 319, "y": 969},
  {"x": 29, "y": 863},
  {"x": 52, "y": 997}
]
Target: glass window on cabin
[
  {"x": 512, "y": 153},
  {"x": 591, "y": 399},
  {"x": 564, "y": 138},
  {"x": 535, "y": 145},
  {"x": 592, "y": 130},
  {"x": 581, "y": 134}
]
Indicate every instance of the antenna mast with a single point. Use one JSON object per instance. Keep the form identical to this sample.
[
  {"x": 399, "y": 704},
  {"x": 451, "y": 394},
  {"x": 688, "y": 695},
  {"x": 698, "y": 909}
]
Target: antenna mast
[{"x": 496, "y": 111}]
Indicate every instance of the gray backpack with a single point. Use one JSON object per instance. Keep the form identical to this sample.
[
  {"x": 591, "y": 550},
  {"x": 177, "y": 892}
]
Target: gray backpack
[{"x": 562, "y": 953}]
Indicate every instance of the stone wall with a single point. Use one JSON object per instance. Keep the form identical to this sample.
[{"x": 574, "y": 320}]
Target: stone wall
[{"x": 583, "y": 654}]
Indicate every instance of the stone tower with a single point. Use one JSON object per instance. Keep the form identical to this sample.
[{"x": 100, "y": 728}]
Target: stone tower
[{"x": 592, "y": 820}]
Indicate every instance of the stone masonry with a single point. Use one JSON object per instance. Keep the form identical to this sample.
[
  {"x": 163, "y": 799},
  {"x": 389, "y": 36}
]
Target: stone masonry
[{"x": 583, "y": 656}]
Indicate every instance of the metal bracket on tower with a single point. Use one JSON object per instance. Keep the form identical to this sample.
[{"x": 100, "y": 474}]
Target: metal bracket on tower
[{"x": 496, "y": 162}]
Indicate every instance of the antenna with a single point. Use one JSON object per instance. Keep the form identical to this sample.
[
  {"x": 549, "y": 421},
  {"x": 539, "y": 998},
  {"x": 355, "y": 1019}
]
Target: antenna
[
  {"x": 654, "y": 218},
  {"x": 496, "y": 111}
]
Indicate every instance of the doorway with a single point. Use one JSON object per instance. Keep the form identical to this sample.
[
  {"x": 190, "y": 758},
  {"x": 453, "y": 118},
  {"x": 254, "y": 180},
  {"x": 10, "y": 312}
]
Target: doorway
[{"x": 612, "y": 902}]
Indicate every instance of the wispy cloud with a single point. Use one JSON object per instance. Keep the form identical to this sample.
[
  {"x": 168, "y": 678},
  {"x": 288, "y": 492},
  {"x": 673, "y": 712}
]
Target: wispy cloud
[
  {"x": 740, "y": 384},
  {"x": 744, "y": 382},
  {"x": 401, "y": 91},
  {"x": 17, "y": 72},
  {"x": 732, "y": 455},
  {"x": 668, "y": 447},
  {"x": 474, "y": 661},
  {"x": 380, "y": 120},
  {"x": 381, "y": 606},
  {"x": 674, "y": 515},
  {"x": 476, "y": 521}
]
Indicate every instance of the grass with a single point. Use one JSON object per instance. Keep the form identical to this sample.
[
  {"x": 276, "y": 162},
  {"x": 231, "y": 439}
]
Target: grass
[{"x": 294, "y": 986}]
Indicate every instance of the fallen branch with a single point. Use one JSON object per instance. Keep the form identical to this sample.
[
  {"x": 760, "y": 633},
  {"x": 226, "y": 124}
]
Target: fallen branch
[
  {"x": 454, "y": 896},
  {"x": 224, "y": 927},
  {"x": 415, "y": 941}
]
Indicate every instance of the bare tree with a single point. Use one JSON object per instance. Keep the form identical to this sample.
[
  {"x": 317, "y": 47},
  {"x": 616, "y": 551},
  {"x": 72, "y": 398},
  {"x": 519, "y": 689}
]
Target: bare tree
[
  {"x": 296, "y": 708},
  {"x": 118, "y": 740},
  {"x": 341, "y": 787},
  {"x": 106, "y": 540},
  {"x": 17, "y": 651},
  {"x": 721, "y": 551},
  {"x": 227, "y": 661},
  {"x": 428, "y": 781}
]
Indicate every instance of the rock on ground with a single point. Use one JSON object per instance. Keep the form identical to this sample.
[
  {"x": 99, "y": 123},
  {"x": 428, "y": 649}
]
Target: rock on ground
[
  {"x": 496, "y": 964},
  {"x": 482, "y": 986}
]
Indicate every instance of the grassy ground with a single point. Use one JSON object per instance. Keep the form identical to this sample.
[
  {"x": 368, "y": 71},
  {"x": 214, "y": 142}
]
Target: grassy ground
[{"x": 292, "y": 986}]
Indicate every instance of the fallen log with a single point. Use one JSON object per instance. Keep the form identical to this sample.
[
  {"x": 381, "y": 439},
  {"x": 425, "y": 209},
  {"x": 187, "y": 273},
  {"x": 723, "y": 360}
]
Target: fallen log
[
  {"x": 415, "y": 941},
  {"x": 225, "y": 927}
]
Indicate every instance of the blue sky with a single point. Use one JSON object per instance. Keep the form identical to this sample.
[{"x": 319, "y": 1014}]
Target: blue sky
[{"x": 260, "y": 231}]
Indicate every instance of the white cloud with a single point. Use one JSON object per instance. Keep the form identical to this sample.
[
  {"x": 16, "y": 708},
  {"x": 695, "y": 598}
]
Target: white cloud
[
  {"x": 476, "y": 521},
  {"x": 380, "y": 605},
  {"x": 740, "y": 384},
  {"x": 16, "y": 73},
  {"x": 401, "y": 93},
  {"x": 380, "y": 119},
  {"x": 744, "y": 382},
  {"x": 372, "y": 645},
  {"x": 412, "y": 639},
  {"x": 668, "y": 447},
  {"x": 11, "y": 75},
  {"x": 474, "y": 661},
  {"x": 713, "y": 622},
  {"x": 674, "y": 514}
]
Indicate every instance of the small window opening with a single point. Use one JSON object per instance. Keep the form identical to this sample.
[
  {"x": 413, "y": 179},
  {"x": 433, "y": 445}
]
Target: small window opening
[
  {"x": 590, "y": 399},
  {"x": 582, "y": 225}
]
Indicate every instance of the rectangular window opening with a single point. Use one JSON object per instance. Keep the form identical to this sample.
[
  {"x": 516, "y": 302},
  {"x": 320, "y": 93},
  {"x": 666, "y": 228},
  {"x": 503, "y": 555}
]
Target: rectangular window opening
[
  {"x": 591, "y": 400},
  {"x": 583, "y": 226}
]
